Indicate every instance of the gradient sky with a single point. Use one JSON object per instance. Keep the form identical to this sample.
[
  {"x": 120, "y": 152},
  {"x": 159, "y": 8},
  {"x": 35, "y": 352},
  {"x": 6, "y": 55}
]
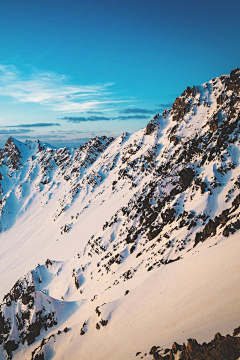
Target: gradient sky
[{"x": 70, "y": 70}]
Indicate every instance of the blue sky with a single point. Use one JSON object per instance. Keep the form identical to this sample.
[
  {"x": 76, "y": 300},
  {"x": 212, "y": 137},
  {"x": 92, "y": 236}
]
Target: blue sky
[{"x": 70, "y": 70}]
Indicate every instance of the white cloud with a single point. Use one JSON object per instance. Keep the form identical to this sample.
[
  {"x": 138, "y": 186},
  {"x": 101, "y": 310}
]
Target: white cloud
[{"x": 52, "y": 90}]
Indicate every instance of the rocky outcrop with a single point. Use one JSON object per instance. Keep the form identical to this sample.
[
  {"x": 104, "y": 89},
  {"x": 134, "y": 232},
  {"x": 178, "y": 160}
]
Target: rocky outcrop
[
  {"x": 11, "y": 155},
  {"x": 220, "y": 221},
  {"x": 182, "y": 105},
  {"x": 233, "y": 82},
  {"x": 220, "y": 348},
  {"x": 10, "y": 346},
  {"x": 185, "y": 177},
  {"x": 152, "y": 126},
  {"x": 168, "y": 215}
]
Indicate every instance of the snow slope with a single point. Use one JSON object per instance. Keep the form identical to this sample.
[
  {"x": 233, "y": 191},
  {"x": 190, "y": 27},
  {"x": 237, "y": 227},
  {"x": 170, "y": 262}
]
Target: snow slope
[{"x": 130, "y": 227}]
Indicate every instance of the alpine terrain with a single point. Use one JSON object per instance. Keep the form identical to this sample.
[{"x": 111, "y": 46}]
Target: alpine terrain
[{"x": 126, "y": 248}]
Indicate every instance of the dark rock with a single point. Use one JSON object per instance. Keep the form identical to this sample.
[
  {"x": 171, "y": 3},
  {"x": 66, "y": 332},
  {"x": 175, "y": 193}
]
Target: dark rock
[
  {"x": 236, "y": 331},
  {"x": 234, "y": 226},
  {"x": 233, "y": 82},
  {"x": 213, "y": 126},
  {"x": 4, "y": 325},
  {"x": 192, "y": 344},
  {"x": 218, "y": 337},
  {"x": 236, "y": 201},
  {"x": 171, "y": 261},
  {"x": 132, "y": 249},
  {"x": 174, "y": 129},
  {"x": 198, "y": 238},
  {"x": 221, "y": 99},
  {"x": 104, "y": 322},
  {"x": 10, "y": 346},
  {"x": 203, "y": 187},
  {"x": 168, "y": 215},
  {"x": 98, "y": 312},
  {"x": 82, "y": 331},
  {"x": 151, "y": 126},
  {"x": 174, "y": 139},
  {"x": 154, "y": 352},
  {"x": 26, "y": 298},
  {"x": 175, "y": 191},
  {"x": 153, "y": 233},
  {"x": 220, "y": 348},
  {"x": 33, "y": 332},
  {"x": 77, "y": 283},
  {"x": 13, "y": 154},
  {"x": 186, "y": 176},
  {"x": 179, "y": 109},
  {"x": 26, "y": 315},
  {"x": 210, "y": 229},
  {"x": 48, "y": 263}
]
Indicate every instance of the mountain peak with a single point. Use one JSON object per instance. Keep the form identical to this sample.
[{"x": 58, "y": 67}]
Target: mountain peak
[
  {"x": 10, "y": 141},
  {"x": 233, "y": 82}
]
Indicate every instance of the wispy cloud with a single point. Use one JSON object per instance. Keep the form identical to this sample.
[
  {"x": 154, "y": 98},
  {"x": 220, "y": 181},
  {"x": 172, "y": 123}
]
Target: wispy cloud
[
  {"x": 137, "y": 111},
  {"x": 94, "y": 112},
  {"x": 53, "y": 90},
  {"x": 10, "y": 132},
  {"x": 70, "y": 132},
  {"x": 132, "y": 117},
  {"x": 79, "y": 119},
  {"x": 32, "y": 125}
]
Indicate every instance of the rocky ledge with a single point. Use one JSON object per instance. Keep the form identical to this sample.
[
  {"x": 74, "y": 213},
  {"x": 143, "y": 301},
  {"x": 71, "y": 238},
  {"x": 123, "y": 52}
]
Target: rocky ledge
[{"x": 220, "y": 348}]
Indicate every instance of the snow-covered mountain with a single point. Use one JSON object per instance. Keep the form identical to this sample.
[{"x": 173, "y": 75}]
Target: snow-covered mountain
[{"x": 120, "y": 235}]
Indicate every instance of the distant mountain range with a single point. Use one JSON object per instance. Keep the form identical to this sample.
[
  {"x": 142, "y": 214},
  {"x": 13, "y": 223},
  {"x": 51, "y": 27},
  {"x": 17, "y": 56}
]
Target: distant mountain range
[{"x": 120, "y": 248}]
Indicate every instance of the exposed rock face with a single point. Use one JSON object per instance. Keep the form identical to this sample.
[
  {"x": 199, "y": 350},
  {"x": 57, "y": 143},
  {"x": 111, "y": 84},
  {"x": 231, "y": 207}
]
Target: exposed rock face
[
  {"x": 11, "y": 155},
  {"x": 182, "y": 105},
  {"x": 152, "y": 126},
  {"x": 168, "y": 216},
  {"x": 220, "y": 348},
  {"x": 179, "y": 109},
  {"x": 4, "y": 325},
  {"x": 219, "y": 221},
  {"x": 10, "y": 346},
  {"x": 29, "y": 322},
  {"x": 154, "y": 352},
  {"x": 233, "y": 82},
  {"x": 186, "y": 176}
]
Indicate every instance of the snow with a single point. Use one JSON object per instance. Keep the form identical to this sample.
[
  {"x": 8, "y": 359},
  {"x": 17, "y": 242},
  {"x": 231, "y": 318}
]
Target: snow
[{"x": 191, "y": 298}]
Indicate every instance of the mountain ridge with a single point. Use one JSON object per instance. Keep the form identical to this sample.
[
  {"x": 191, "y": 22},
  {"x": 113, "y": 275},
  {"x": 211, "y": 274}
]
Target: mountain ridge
[{"x": 112, "y": 212}]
